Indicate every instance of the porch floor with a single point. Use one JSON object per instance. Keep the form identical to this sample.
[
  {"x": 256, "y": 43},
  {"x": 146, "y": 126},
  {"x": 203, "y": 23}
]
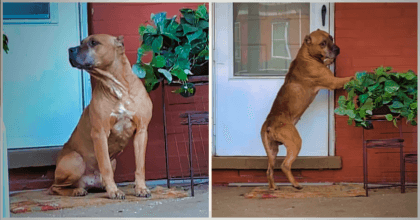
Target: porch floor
[
  {"x": 196, "y": 206},
  {"x": 230, "y": 202}
]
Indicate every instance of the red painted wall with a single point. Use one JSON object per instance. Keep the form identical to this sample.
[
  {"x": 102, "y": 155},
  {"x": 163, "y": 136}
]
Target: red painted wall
[
  {"x": 369, "y": 35},
  {"x": 124, "y": 19}
]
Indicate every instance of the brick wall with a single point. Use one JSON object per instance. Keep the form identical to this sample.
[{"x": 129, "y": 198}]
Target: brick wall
[{"x": 369, "y": 35}]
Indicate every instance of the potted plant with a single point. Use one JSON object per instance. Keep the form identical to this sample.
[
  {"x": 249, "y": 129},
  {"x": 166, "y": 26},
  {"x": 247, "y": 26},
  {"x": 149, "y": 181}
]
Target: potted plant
[
  {"x": 381, "y": 92},
  {"x": 177, "y": 49}
]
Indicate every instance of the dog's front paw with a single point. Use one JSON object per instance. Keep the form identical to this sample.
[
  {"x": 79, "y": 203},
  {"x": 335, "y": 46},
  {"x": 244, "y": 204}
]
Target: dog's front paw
[
  {"x": 79, "y": 192},
  {"x": 116, "y": 194},
  {"x": 142, "y": 192}
]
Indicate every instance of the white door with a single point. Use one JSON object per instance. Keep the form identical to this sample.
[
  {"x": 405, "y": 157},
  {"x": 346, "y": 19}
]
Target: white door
[
  {"x": 42, "y": 94},
  {"x": 254, "y": 44}
]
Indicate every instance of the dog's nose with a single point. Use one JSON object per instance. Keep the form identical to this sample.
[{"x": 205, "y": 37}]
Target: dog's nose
[
  {"x": 73, "y": 49},
  {"x": 72, "y": 55},
  {"x": 336, "y": 50}
]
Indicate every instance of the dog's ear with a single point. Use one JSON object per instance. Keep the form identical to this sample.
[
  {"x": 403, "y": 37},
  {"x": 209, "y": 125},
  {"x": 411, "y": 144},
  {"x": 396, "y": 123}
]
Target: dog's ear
[
  {"x": 308, "y": 40},
  {"x": 119, "y": 42}
]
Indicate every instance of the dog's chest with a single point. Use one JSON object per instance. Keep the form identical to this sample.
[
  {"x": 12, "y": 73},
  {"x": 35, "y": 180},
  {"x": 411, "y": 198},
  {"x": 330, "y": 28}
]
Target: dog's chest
[{"x": 123, "y": 125}]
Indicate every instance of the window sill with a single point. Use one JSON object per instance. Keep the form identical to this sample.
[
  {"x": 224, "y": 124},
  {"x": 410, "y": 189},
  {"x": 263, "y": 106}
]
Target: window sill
[{"x": 329, "y": 162}]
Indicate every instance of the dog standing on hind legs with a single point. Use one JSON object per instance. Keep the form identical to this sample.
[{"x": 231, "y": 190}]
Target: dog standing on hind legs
[
  {"x": 308, "y": 73},
  {"x": 120, "y": 108}
]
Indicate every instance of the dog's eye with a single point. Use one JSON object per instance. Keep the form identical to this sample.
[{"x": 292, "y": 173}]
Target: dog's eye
[
  {"x": 94, "y": 43},
  {"x": 323, "y": 44}
]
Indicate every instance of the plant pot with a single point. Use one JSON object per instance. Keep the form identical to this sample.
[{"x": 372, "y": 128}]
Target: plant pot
[
  {"x": 201, "y": 70},
  {"x": 383, "y": 110},
  {"x": 379, "y": 114}
]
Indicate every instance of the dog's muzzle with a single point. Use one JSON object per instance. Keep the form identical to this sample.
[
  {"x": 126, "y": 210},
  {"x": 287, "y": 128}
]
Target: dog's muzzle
[
  {"x": 79, "y": 60},
  {"x": 72, "y": 56},
  {"x": 335, "y": 50}
]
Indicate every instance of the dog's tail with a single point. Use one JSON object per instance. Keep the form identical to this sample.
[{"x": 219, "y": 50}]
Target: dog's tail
[
  {"x": 60, "y": 190},
  {"x": 265, "y": 131},
  {"x": 269, "y": 132}
]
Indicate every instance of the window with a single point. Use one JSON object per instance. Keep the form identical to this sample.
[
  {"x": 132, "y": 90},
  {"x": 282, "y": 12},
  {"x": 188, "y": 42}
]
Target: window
[
  {"x": 37, "y": 13},
  {"x": 267, "y": 37},
  {"x": 279, "y": 46}
]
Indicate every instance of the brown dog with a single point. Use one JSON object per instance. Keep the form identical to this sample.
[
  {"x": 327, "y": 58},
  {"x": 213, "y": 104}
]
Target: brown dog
[
  {"x": 120, "y": 108},
  {"x": 307, "y": 75}
]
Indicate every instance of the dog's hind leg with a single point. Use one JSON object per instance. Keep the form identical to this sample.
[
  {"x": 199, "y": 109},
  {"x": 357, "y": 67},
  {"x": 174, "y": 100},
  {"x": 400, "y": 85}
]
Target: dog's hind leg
[
  {"x": 271, "y": 148},
  {"x": 291, "y": 139},
  {"x": 70, "y": 168}
]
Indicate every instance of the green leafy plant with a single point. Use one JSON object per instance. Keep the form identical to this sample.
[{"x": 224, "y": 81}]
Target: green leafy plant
[
  {"x": 176, "y": 47},
  {"x": 372, "y": 93},
  {"x": 5, "y": 43}
]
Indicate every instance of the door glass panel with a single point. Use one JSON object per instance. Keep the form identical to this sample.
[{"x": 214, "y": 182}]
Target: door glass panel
[
  {"x": 267, "y": 36},
  {"x": 26, "y": 11}
]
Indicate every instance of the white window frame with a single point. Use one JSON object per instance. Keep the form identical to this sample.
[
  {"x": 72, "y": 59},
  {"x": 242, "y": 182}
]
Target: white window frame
[{"x": 239, "y": 57}]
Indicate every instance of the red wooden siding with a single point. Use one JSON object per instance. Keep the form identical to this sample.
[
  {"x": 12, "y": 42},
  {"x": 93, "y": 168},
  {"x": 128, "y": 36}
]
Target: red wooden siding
[
  {"x": 369, "y": 35},
  {"x": 372, "y": 35},
  {"x": 178, "y": 134},
  {"x": 124, "y": 19}
]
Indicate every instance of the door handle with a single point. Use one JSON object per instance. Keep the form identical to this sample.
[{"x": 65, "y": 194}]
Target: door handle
[{"x": 323, "y": 13}]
